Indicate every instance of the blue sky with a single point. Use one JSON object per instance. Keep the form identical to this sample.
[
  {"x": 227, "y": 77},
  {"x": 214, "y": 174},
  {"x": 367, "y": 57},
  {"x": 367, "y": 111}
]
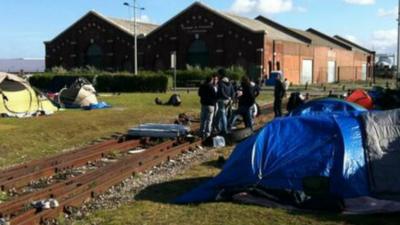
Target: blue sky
[{"x": 26, "y": 24}]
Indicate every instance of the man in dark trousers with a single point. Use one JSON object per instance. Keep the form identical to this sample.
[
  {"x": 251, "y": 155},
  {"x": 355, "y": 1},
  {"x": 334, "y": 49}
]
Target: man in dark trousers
[
  {"x": 208, "y": 100},
  {"x": 279, "y": 93},
  {"x": 246, "y": 101},
  {"x": 225, "y": 96}
]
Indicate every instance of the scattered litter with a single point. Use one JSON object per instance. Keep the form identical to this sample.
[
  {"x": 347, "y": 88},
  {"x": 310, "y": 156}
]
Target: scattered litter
[
  {"x": 174, "y": 100},
  {"x": 106, "y": 160},
  {"x": 136, "y": 151},
  {"x": 159, "y": 130},
  {"x": 46, "y": 204},
  {"x": 4, "y": 222},
  {"x": 219, "y": 142}
]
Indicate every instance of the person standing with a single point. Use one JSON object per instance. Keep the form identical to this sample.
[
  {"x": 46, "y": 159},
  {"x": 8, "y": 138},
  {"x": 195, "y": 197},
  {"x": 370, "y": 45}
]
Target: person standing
[
  {"x": 208, "y": 100},
  {"x": 225, "y": 96},
  {"x": 279, "y": 93},
  {"x": 246, "y": 102},
  {"x": 286, "y": 85}
]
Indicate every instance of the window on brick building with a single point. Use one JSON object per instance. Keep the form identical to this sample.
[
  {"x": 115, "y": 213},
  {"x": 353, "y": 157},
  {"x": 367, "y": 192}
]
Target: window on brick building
[
  {"x": 94, "y": 56},
  {"x": 198, "y": 54}
]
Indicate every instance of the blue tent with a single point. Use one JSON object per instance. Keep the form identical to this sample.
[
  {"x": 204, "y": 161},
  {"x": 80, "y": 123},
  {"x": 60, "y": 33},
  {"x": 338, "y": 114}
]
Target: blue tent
[
  {"x": 289, "y": 150},
  {"x": 328, "y": 105}
]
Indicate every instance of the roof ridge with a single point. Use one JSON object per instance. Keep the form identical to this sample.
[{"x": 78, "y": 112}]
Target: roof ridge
[
  {"x": 137, "y": 21},
  {"x": 217, "y": 12},
  {"x": 283, "y": 28},
  {"x": 353, "y": 43},
  {"x": 329, "y": 38}
]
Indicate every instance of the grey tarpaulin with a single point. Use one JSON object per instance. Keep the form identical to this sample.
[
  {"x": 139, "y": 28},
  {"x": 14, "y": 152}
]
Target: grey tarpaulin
[
  {"x": 382, "y": 148},
  {"x": 159, "y": 130}
]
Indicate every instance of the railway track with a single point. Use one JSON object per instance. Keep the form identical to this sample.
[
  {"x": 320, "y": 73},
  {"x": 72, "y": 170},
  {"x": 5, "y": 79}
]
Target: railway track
[{"x": 73, "y": 191}]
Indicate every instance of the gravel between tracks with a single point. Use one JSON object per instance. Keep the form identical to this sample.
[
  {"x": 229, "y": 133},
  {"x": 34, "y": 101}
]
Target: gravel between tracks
[{"x": 126, "y": 191}]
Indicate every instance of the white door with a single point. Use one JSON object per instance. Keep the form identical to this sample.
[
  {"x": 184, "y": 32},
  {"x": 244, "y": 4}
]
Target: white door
[
  {"x": 364, "y": 71},
  {"x": 331, "y": 71},
  {"x": 306, "y": 72}
]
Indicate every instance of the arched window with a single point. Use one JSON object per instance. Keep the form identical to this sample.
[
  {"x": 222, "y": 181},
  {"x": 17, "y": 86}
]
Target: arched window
[
  {"x": 269, "y": 67},
  {"x": 94, "y": 56},
  {"x": 159, "y": 64},
  {"x": 198, "y": 54}
]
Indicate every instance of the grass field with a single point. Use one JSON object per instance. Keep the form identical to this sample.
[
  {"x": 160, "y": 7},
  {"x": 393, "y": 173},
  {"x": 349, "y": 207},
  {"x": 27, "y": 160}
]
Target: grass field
[{"x": 26, "y": 139}]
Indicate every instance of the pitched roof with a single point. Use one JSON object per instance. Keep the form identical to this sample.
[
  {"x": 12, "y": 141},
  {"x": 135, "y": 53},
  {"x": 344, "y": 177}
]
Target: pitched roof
[
  {"x": 271, "y": 32},
  {"x": 283, "y": 29},
  {"x": 252, "y": 25},
  {"x": 319, "y": 40},
  {"x": 329, "y": 38},
  {"x": 355, "y": 46},
  {"x": 125, "y": 25},
  {"x": 141, "y": 28},
  {"x": 249, "y": 25}
]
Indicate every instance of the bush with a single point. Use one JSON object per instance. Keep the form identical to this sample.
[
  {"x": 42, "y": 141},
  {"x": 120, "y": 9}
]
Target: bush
[
  {"x": 194, "y": 76},
  {"x": 123, "y": 83},
  {"x": 105, "y": 82},
  {"x": 146, "y": 81},
  {"x": 41, "y": 82}
]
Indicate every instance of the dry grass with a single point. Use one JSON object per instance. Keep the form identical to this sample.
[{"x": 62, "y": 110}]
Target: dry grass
[{"x": 26, "y": 139}]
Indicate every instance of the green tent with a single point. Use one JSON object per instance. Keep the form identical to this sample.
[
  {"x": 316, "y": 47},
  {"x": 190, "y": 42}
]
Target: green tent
[{"x": 19, "y": 99}]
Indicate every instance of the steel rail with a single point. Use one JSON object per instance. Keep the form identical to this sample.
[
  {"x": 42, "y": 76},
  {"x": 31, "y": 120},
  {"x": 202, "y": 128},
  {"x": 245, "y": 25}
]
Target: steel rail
[
  {"x": 49, "y": 170},
  {"x": 131, "y": 165},
  {"x": 54, "y": 160}
]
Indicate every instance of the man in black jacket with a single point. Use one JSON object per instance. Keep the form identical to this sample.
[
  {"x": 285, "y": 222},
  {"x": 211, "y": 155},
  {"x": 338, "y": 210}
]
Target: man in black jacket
[
  {"x": 225, "y": 96},
  {"x": 246, "y": 102},
  {"x": 279, "y": 93},
  {"x": 208, "y": 100}
]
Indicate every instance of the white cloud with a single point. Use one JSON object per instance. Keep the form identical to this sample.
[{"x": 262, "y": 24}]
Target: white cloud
[
  {"x": 384, "y": 41},
  {"x": 388, "y": 13},
  {"x": 264, "y": 6},
  {"x": 352, "y": 38},
  {"x": 274, "y": 6},
  {"x": 360, "y": 2},
  {"x": 243, "y": 6}
]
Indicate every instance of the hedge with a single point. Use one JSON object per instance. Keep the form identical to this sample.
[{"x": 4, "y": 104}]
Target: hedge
[
  {"x": 105, "y": 83},
  {"x": 193, "y": 76},
  {"x": 146, "y": 81}
]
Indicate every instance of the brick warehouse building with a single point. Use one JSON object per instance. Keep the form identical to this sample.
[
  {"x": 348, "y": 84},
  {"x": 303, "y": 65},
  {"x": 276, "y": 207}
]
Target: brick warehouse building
[{"x": 206, "y": 37}]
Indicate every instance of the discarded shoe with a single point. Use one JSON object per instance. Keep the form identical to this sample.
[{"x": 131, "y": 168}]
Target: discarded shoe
[{"x": 45, "y": 204}]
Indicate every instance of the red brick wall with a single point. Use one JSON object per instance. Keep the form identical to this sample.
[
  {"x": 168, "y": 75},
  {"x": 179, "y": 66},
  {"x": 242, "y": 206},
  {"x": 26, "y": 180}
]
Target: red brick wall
[
  {"x": 227, "y": 42},
  {"x": 69, "y": 49}
]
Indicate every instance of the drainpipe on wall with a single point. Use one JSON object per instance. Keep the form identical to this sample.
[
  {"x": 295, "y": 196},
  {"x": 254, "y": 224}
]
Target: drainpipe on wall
[
  {"x": 273, "y": 55},
  {"x": 398, "y": 47}
]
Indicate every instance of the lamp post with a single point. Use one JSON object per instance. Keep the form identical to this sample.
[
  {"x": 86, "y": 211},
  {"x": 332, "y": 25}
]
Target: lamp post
[
  {"x": 398, "y": 48},
  {"x": 134, "y": 8}
]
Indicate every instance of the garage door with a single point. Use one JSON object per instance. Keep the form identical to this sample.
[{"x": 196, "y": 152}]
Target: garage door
[
  {"x": 306, "y": 72},
  {"x": 331, "y": 71},
  {"x": 364, "y": 72}
]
